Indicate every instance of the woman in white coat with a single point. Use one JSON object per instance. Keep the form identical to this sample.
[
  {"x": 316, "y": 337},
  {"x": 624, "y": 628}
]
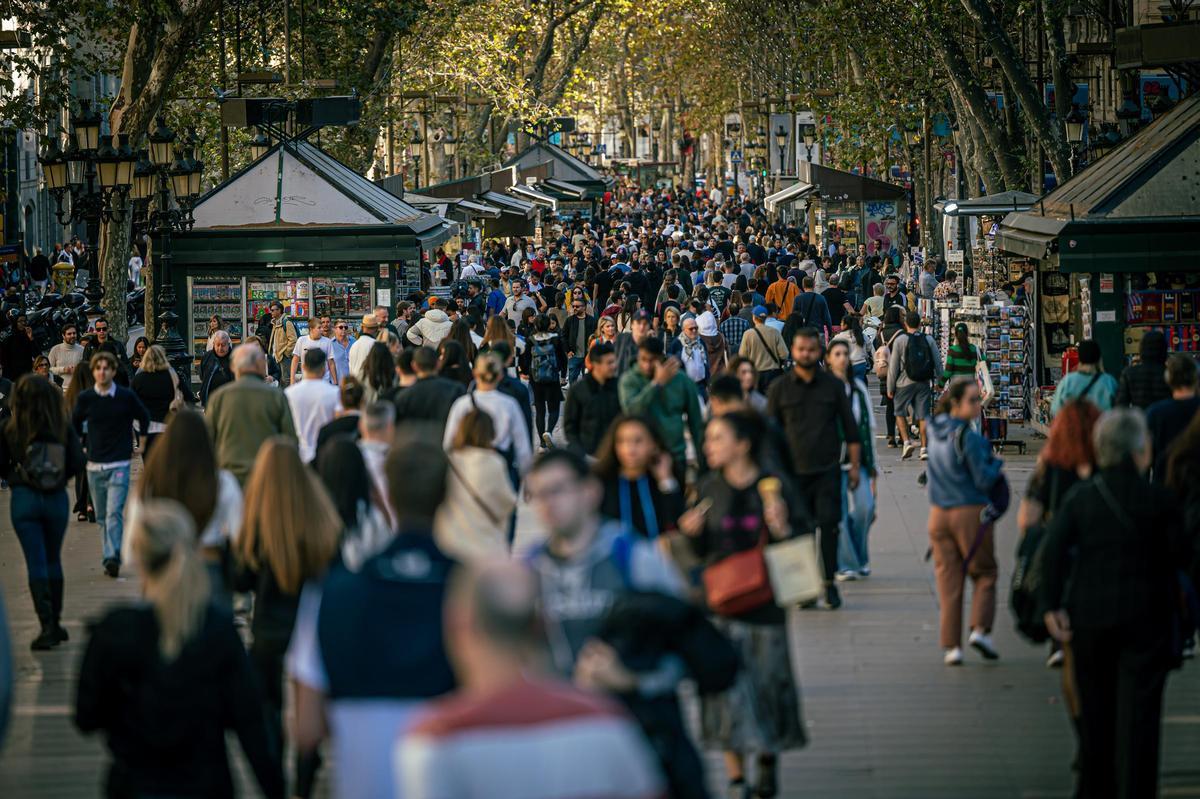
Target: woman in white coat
[{"x": 472, "y": 524}]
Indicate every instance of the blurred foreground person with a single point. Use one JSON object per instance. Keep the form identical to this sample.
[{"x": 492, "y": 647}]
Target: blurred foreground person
[
  {"x": 367, "y": 651},
  {"x": 1116, "y": 603},
  {"x": 164, "y": 679},
  {"x": 473, "y": 521},
  {"x": 39, "y": 452},
  {"x": 509, "y": 735}
]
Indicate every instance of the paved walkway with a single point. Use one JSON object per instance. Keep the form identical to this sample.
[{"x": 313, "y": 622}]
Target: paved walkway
[{"x": 886, "y": 719}]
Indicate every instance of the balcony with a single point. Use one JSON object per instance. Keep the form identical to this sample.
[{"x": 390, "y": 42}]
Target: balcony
[{"x": 1158, "y": 45}]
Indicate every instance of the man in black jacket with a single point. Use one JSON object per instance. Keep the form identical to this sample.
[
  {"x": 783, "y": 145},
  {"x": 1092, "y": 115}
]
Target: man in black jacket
[
  {"x": 1109, "y": 587},
  {"x": 103, "y": 342},
  {"x": 593, "y": 402},
  {"x": 429, "y": 399},
  {"x": 577, "y": 332},
  {"x": 1145, "y": 383}
]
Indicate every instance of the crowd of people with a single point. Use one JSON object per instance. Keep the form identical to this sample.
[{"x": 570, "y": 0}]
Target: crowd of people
[{"x": 682, "y": 395}]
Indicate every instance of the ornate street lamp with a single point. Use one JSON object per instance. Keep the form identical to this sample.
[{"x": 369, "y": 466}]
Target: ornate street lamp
[
  {"x": 808, "y": 132},
  {"x": 1074, "y": 122},
  {"x": 166, "y": 182},
  {"x": 259, "y": 145},
  {"x": 90, "y": 183},
  {"x": 781, "y": 137}
]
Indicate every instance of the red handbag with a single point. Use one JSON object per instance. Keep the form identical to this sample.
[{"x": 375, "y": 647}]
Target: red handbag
[{"x": 739, "y": 583}]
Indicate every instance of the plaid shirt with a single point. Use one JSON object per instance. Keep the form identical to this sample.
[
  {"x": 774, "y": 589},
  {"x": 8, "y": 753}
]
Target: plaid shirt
[{"x": 733, "y": 329}]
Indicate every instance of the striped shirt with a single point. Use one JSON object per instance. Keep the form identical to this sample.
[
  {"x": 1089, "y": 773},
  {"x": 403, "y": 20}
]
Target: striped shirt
[
  {"x": 531, "y": 740},
  {"x": 959, "y": 363}
]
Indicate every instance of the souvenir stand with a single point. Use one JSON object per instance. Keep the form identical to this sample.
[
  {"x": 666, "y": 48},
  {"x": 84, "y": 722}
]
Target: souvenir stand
[{"x": 300, "y": 227}]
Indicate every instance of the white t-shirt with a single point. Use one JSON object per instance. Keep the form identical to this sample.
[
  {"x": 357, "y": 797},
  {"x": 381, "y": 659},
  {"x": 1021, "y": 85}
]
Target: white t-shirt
[
  {"x": 314, "y": 404},
  {"x": 306, "y": 343}
]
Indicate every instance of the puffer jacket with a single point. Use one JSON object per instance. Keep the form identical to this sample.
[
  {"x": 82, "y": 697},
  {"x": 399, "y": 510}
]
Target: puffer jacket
[
  {"x": 432, "y": 328},
  {"x": 962, "y": 467}
]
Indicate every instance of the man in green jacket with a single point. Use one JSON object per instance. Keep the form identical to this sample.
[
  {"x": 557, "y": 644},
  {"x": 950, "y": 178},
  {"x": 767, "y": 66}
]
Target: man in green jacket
[
  {"x": 243, "y": 414},
  {"x": 658, "y": 389}
]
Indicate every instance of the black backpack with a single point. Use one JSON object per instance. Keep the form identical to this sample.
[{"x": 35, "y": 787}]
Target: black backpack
[
  {"x": 44, "y": 467},
  {"x": 918, "y": 358}
]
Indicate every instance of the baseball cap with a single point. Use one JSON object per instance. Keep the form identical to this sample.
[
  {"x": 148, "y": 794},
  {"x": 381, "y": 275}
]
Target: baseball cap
[{"x": 760, "y": 310}]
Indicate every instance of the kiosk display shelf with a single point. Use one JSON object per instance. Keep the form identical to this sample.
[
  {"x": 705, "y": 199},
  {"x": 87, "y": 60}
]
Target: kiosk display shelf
[{"x": 220, "y": 296}]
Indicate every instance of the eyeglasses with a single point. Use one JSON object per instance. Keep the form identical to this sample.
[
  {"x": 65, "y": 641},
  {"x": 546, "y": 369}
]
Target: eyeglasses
[{"x": 101, "y": 329}]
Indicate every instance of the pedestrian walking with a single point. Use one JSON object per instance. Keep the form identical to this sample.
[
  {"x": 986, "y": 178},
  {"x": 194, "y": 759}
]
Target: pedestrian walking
[
  {"x": 512, "y": 439},
  {"x": 593, "y": 401},
  {"x": 658, "y": 388},
  {"x": 378, "y": 372},
  {"x": 1088, "y": 382},
  {"x": 765, "y": 348},
  {"x": 472, "y": 524},
  {"x": 811, "y": 407},
  {"x": 281, "y": 341},
  {"x": 290, "y": 534},
  {"x": 743, "y": 507},
  {"x": 362, "y": 345},
  {"x": 164, "y": 678},
  {"x": 158, "y": 387},
  {"x": 489, "y": 740},
  {"x": 544, "y": 363},
  {"x": 858, "y": 506},
  {"x": 913, "y": 366},
  {"x": 66, "y": 356},
  {"x": 245, "y": 413},
  {"x": 216, "y": 367},
  {"x": 1142, "y": 384},
  {"x": 39, "y": 453},
  {"x": 1168, "y": 418},
  {"x": 963, "y": 473},
  {"x": 345, "y": 420},
  {"x": 962, "y": 357},
  {"x": 367, "y": 653},
  {"x": 110, "y": 413},
  {"x": 430, "y": 398},
  {"x": 637, "y": 472},
  {"x": 1110, "y": 590},
  {"x": 186, "y": 472},
  {"x": 313, "y": 401},
  {"x": 366, "y": 529}
]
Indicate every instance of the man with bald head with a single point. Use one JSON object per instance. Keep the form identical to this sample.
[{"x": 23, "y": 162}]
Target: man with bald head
[
  {"x": 508, "y": 733},
  {"x": 243, "y": 414}
]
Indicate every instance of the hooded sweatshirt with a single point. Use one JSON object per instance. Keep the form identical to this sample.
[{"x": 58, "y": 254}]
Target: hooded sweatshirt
[
  {"x": 962, "y": 467},
  {"x": 432, "y": 328}
]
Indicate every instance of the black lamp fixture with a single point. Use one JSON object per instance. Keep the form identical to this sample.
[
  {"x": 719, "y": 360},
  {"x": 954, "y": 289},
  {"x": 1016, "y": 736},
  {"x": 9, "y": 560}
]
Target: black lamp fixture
[
  {"x": 1075, "y": 123},
  {"x": 450, "y": 145},
  {"x": 260, "y": 144},
  {"x": 808, "y": 133}
]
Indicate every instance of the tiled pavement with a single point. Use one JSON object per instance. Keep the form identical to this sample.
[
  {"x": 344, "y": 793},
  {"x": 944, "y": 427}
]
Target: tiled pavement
[{"x": 886, "y": 719}]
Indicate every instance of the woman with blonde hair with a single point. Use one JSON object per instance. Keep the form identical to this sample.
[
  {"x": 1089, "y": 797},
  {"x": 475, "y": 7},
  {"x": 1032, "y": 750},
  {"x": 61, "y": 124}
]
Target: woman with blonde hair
[
  {"x": 184, "y": 677},
  {"x": 498, "y": 330},
  {"x": 472, "y": 523},
  {"x": 606, "y": 332},
  {"x": 290, "y": 533},
  {"x": 156, "y": 385}
]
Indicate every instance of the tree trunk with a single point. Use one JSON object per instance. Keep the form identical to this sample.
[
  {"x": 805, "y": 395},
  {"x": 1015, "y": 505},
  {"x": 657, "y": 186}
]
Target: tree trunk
[
  {"x": 1060, "y": 63},
  {"x": 972, "y": 100},
  {"x": 1029, "y": 95}
]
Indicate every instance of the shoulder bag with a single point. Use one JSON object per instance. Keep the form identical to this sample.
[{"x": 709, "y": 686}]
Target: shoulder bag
[
  {"x": 176, "y": 401},
  {"x": 738, "y": 583}
]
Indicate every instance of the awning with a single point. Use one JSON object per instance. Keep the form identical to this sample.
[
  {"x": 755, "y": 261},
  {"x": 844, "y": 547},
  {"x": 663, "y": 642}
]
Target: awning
[
  {"x": 794, "y": 192},
  {"x": 562, "y": 187},
  {"x": 534, "y": 196},
  {"x": 479, "y": 208},
  {"x": 508, "y": 203},
  {"x": 1004, "y": 202}
]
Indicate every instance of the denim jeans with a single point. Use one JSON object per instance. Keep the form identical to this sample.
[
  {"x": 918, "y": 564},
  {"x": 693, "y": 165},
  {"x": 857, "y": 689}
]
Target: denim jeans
[
  {"x": 574, "y": 369},
  {"x": 858, "y": 509},
  {"x": 109, "y": 488},
  {"x": 40, "y": 521}
]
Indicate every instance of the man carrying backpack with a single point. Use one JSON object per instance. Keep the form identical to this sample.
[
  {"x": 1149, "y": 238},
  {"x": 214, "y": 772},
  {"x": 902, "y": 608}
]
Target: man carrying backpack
[
  {"x": 913, "y": 366},
  {"x": 808, "y": 310}
]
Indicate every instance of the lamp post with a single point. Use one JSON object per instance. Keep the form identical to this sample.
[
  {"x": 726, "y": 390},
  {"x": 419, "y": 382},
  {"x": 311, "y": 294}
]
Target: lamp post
[
  {"x": 414, "y": 152},
  {"x": 89, "y": 182},
  {"x": 450, "y": 145},
  {"x": 808, "y": 132},
  {"x": 1074, "y": 122},
  {"x": 781, "y": 137},
  {"x": 166, "y": 184}
]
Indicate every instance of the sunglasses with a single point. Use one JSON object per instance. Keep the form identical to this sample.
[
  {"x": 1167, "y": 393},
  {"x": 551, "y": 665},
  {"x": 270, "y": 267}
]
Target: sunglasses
[
  {"x": 339, "y": 327},
  {"x": 102, "y": 330}
]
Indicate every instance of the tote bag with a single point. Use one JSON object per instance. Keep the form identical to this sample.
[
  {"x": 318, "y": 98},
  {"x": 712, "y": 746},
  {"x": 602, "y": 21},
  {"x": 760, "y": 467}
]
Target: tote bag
[{"x": 793, "y": 570}]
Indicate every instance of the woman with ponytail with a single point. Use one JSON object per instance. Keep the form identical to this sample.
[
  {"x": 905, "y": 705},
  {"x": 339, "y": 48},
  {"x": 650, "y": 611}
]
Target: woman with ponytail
[{"x": 165, "y": 678}]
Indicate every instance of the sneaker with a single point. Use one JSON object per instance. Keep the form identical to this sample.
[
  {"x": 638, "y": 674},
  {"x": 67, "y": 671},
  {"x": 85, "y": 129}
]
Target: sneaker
[
  {"x": 846, "y": 575},
  {"x": 808, "y": 604},
  {"x": 1055, "y": 661},
  {"x": 547, "y": 442},
  {"x": 953, "y": 657},
  {"x": 833, "y": 599},
  {"x": 767, "y": 784},
  {"x": 112, "y": 568},
  {"x": 891, "y": 443},
  {"x": 909, "y": 449},
  {"x": 924, "y": 455},
  {"x": 864, "y": 572},
  {"x": 982, "y": 643}
]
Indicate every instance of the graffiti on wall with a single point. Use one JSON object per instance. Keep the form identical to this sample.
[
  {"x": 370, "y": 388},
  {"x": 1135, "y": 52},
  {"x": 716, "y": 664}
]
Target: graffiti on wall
[{"x": 881, "y": 224}]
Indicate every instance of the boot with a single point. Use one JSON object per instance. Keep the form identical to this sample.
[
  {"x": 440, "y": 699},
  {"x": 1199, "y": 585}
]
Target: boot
[
  {"x": 40, "y": 591},
  {"x": 56, "y": 605}
]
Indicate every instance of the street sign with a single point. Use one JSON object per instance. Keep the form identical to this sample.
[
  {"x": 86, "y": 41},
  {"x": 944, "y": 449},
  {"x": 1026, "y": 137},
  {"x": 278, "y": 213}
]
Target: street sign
[{"x": 735, "y": 156}]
